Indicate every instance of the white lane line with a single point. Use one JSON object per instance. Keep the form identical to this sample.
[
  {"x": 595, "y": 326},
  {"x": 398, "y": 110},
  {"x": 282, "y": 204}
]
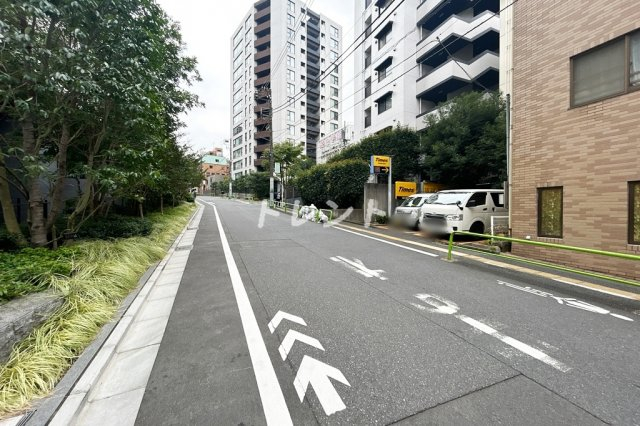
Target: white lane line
[
  {"x": 274, "y": 405},
  {"x": 387, "y": 242},
  {"x": 622, "y": 317},
  {"x": 522, "y": 347}
]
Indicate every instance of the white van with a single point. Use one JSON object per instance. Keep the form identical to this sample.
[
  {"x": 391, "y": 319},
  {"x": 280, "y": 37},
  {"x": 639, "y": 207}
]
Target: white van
[
  {"x": 462, "y": 210},
  {"x": 408, "y": 213}
]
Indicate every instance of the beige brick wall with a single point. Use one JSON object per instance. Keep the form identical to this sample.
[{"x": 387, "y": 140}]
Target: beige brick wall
[{"x": 592, "y": 151}]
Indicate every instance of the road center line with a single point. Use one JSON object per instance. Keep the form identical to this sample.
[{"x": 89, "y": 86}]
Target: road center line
[
  {"x": 522, "y": 347},
  {"x": 387, "y": 242},
  {"x": 273, "y": 403}
]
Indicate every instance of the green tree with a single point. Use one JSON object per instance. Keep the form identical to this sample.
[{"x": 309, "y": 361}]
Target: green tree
[
  {"x": 464, "y": 144},
  {"x": 289, "y": 155},
  {"x": 340, "y": 181},
  {"x": 93, "y": 90},
  {"x": 401, "y": 143}
]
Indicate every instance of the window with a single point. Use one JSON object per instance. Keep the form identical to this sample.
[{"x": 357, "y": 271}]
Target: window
[
  {"x": 334, "y": 43},
  {"x": 292, "y": 130},
  {"x": 367, "y": 117},
  {"x": 334, "y": 32},
  {"x": 237, "y": 107},
  {"x": 334, "y": 103},
  {"x": 291, "y": 34},
  {"x": 550, "y": 212},
  {"x": 384, "y": 69},
  {"x": 601, "y": 72},
  {"x": 291, "y": 48},
  {"x": 291, "y": 89},
  {"x": 367, "y": 87},
  {"x": 291, "y": 21},
  {"x": 334, "y": 115},
  {"x": 291, "y": 75},
  {"x": 291, "y": 61},
  {"x": 334, "y": 127},
  {"x": 498, "y": 199},
  {"x": 478, "y": 199},
  {"x": 384, "y": 103},
  {"x": 367, "y": 57},
  {"x": 334, "y": 80},
  {"x": 291, "y": 116},
  {"x": 634, "y": 212},
  {"x": 291, "y": 7},
  {"x": 334, "y": 92},
  {"x": 384, "y": 36},
  {"x": 333, "y": 55}
]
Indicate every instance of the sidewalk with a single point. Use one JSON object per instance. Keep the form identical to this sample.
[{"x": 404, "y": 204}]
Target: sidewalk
[{"x": 111, "y": 388}]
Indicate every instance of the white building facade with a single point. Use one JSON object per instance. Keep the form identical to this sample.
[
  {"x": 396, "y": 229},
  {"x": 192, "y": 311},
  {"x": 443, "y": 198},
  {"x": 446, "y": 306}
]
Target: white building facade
[
  {"x": 283, "y": 85},
  {"x": 418, "y": 54}
]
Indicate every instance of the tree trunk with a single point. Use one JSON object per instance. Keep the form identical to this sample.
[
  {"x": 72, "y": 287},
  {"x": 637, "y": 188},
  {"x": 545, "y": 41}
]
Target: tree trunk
[
  {"x": 8, "y": 212},
  {"x": 141, "y": 210},
  {"x": 61, "y": 174},
  {"x": 37, "y": 226}
]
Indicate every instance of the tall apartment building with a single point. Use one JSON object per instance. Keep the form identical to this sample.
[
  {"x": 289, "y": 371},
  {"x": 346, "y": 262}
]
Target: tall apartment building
[
  {"x": 576, "y": 130},
  {"x": 283, "y": 88},
  {"x": 419, "y": 53}
]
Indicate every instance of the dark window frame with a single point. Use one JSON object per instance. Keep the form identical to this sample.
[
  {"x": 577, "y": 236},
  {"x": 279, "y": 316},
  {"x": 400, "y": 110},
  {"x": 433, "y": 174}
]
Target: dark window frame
[
  {"x": 628, "y": 88},
  {"x": 383, "y": 35},
  {"x": 539, "y": 211},
  {"x": 632, "y": 212},
  {"x": 385, "y": 101}
]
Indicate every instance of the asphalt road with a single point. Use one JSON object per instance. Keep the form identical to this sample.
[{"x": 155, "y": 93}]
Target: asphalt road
[{"x": 405, "y": 336}]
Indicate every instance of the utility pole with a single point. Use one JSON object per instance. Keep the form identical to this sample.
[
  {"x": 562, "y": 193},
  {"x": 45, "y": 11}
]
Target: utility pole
[{"x": 389, "y": 185}]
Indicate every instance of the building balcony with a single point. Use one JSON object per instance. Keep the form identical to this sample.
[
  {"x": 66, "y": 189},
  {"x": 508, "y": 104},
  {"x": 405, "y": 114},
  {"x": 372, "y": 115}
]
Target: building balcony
[
  {"x": 264, "y": 134},
  {"x": 263, "y": 41},
  {"x": 261, "y": 162},
  {"x": 450, "y": 76},
  {"x": 263, "y": 70},
  {"x": 425, "y": 9},
  {"x": 262, "y": 29},
  {"x": 262, "y": 81},
  {"x": 261, "y": 147},
  {"x": 262, "y": 121},
  {"x": 457, "y": 32},
  {"x": 262, "y": 15},
  {"x": 262, "y": 54},
  {"x": 262, "y": 107},
  {"x": 313, "y": 103}
]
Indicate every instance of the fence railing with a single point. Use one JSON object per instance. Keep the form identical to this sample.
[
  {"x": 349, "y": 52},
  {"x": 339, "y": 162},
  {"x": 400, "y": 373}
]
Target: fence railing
[
  {"x": 295, "y": 208},
  {"x": 626, "y": 256}
]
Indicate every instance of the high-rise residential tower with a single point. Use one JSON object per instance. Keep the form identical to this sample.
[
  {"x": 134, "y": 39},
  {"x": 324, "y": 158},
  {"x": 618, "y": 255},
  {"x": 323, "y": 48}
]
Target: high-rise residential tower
[
  {"x": 283, "y": 85},
  {"x": 419, "y": 53}
]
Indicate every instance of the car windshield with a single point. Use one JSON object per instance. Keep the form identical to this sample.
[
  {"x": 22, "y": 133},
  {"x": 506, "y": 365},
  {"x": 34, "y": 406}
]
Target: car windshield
[
  {"x": 448, "y": 198},
  {"x": 412, "y": 202}
]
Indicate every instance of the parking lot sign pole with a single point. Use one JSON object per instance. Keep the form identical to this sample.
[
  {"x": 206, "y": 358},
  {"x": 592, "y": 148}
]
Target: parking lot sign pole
[{"x": 389, "y": 190}]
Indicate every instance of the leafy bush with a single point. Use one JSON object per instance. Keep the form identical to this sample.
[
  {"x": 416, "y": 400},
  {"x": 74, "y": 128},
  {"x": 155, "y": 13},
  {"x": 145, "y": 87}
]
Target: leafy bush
[
  {"x": 7, "y": 241},
  {"x": 115, "y": 226},
  {"x": 341, "y": 182},
  {"x": 30, "y": 270}
]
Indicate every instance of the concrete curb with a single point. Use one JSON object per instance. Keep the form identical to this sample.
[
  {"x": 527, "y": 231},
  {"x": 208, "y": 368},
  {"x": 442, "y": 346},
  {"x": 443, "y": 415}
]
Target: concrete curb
[{"x": 86, "y": 370}]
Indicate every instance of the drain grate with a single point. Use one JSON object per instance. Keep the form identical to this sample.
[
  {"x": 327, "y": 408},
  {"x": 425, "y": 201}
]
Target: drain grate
[{"x": 182, "y": 248}]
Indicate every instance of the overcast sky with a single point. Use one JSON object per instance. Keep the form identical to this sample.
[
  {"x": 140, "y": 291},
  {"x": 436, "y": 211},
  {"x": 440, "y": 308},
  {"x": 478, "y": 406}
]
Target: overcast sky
[{"x": 207, "y": 27}]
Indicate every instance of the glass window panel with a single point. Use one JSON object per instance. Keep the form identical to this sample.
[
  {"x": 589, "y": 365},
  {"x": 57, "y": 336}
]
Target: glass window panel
[
  {"x": 599, "y": 73},
  {"x": 634, "y": 72}
]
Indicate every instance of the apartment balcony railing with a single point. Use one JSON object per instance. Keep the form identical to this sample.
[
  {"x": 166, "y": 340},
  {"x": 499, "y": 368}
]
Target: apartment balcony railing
[
  {"x": 262, "y": 81},
  {"x": 262, "y": 29},
  {"x": 262, "y": 15},
  {"x": 262, "y": 121},
  {"x": 264, "y": 107},
  {"x": 264, "y": 134},
  {"x": 462, "y": 28},
  {"x": 451, "y": 71},
  {"x": 426, "y": 7},
  {"x": 264, "y": 40},
  {"x": 262, "y": 54}
]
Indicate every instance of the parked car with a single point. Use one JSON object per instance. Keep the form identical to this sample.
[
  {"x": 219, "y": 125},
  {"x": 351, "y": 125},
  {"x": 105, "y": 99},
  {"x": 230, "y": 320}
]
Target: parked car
[
  {"x": 462, "y": 210},
  {"x": 408, "y": 213}
]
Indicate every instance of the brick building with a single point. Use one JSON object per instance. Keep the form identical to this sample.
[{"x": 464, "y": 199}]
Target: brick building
[
  {"x": 215, "y": 168},
  {"x": 576, "y": 129}
]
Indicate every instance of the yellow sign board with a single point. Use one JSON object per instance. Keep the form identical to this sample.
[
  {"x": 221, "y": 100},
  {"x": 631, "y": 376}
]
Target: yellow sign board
[
  {"x": 430, "y": 187},
  {"x": 380, "y": 161},
  {"x": 404, "y": 189}
]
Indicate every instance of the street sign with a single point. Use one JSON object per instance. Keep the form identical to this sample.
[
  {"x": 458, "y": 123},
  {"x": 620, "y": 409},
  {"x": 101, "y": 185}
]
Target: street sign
[
  {"x": 380, "y": 161},
  {"x": 429, "y": 187},
  {"x": 404, "y": 189}
]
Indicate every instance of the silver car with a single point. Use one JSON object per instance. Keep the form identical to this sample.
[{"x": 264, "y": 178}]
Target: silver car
[{"x": 408, "y": 213}]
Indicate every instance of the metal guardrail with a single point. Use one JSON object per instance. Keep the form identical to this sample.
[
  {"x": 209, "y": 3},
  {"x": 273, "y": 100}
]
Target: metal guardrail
[
  {"x": 288, "y": 207},
  {"x": 617, "y": 255}
]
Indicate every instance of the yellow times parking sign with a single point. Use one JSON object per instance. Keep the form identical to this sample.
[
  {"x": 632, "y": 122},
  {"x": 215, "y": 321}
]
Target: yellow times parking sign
[
  {"x": 380, "y": 161},
  {"x": 404, "y": 189}
]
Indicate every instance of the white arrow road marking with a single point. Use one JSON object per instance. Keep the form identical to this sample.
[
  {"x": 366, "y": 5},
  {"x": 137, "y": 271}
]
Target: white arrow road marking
[
  {"x": 444, "y": 306},
  {"x": 440, "y": 304},
  {"x": 275, "y": 322},
  {"x": 290, "y": 339},
  {"x": 358, "y": 266},
  {"x": 317, "y": 374}
]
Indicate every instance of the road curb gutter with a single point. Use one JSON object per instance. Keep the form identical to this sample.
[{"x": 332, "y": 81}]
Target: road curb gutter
[{"x": 62, "y": 407}]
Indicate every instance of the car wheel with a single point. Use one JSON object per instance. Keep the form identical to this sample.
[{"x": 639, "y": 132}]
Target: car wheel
[{"x": 477, "y": 228}]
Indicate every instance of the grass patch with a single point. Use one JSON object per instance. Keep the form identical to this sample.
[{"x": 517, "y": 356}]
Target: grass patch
[{"x": 103, "y": 273}]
